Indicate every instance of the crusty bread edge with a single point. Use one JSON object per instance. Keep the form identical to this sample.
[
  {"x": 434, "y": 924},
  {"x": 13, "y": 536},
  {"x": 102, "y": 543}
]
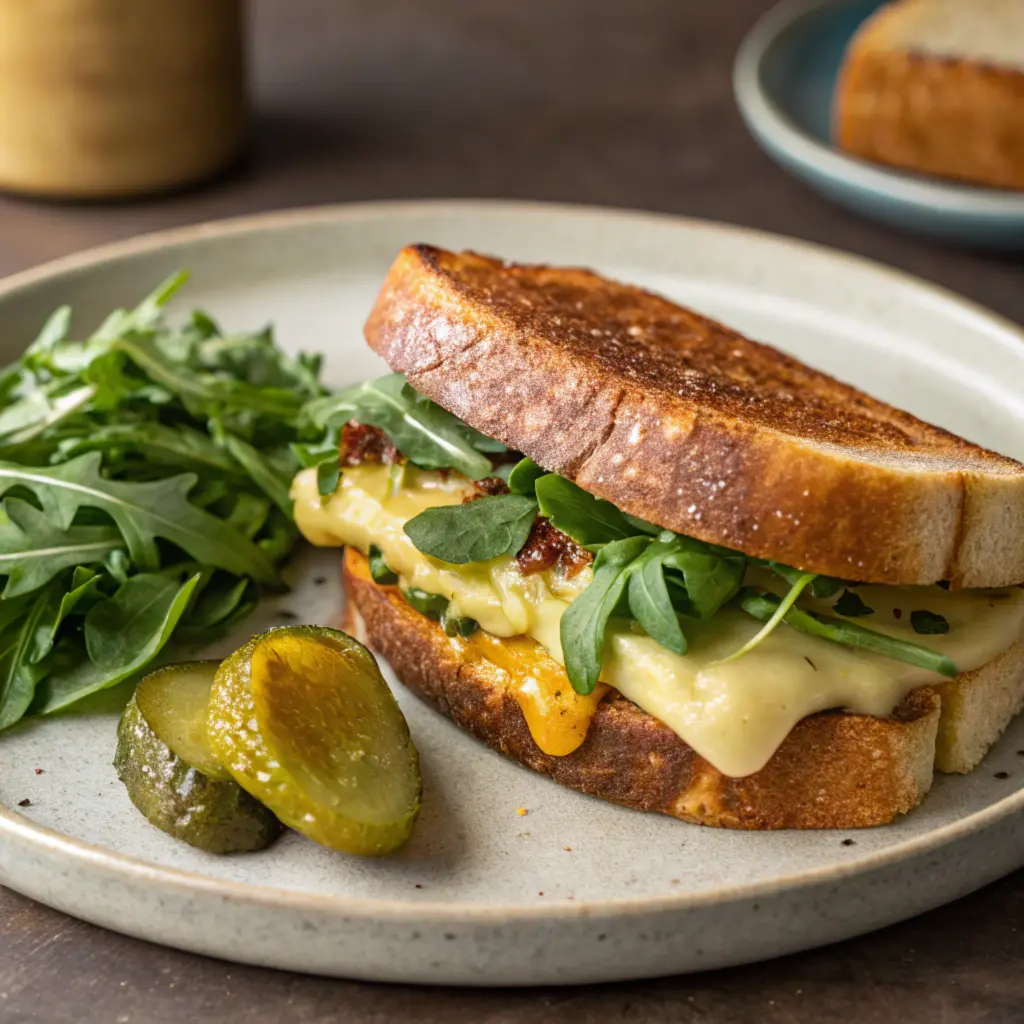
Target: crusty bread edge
[
  {"x": 834, "y": 770},
  {"x": 774, "y": 497}
]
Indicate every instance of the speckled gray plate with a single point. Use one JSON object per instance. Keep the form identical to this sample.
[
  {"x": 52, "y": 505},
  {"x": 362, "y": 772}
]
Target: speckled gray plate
[{"x": 576, "y": 890}]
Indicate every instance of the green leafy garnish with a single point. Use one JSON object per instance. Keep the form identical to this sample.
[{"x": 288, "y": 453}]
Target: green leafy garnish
[
  {"x": 142, "y": 512},
  {"x": 144, "y": 477},
  {"x": 379, "y": 568},
  {"x": 585, "y": 622},
  {"x": 777, "y": 617},
  {"x": 523, "y": 477},
  {"x": 711, "y": 575},
  {"x": 927, "y": 622},
  {"x": 33, "y": 550},
  {"x": 766, "y": 606},
  {"x": 851, "y": 605},
  {"x": 474, "y": 531},
  {"x": 649, "y": 600},
  {"x": 422, "y": 431},
  {"x": 457, "y": 625},
  {"x": 587, "y": 520},
  {"x": 431, "y": 605},
  {"x": 328, "y": 476},
  {"x": 821, "y": 586}
]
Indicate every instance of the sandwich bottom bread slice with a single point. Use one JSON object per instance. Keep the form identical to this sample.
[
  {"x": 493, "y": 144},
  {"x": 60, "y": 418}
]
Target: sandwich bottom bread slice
[
  {"x": 618, "y": 614},
  {"x": 834, "y": 770}
]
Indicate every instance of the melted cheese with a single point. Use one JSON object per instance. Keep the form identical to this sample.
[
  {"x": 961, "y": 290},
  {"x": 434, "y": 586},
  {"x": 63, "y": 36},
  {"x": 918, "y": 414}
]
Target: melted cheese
[
  {"x": 557, "y": 716},
  {"x": 734, "y": 715}
]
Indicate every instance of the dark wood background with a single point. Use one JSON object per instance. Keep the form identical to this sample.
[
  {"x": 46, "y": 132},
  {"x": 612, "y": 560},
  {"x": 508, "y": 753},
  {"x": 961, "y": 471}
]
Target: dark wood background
[{"x": 593, "y": 101}]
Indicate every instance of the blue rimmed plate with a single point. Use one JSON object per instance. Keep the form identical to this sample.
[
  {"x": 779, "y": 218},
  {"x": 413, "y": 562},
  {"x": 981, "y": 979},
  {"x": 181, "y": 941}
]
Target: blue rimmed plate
[{"x": 784, "y": 78}]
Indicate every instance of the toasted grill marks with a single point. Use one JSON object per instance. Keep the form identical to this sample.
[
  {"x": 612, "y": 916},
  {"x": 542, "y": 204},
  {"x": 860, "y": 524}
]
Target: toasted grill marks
[
  {"x": 833, "y": 771},
  {"x": 675, "y": 418}
]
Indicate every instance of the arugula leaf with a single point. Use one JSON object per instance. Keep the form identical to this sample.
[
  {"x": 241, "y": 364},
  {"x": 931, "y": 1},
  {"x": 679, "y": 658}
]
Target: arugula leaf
[
  {"x": 379, "y": 568},
  {"x": 180, "y": 446},
  {"x": 328, "y": 476},
  {"x": 214, "y": 608},
  {"x": 851, "y": 605},
  {"x": 711, "y": 575},
  {"x": 83, "y": 593},
  {"x": 780, "y": 614},
  {"x": 927, "y": 622},
  {"x": 122, "y": 635},
  {"x": 142, "y": 512},
  {"x": 475, "y": 531},
  {"x": 248, "y": 513},
  {"x": 649, "y": 599},
  {"x": 423, "y": 432},
  {"x": 642, "y": 526},
  {"x": 146, "y": 315},
  {"x": 587, "y": 520},
  {"x": 42, "y": 409},
  {"x": 278, "y": 537},
  {"x": 822, "y": 586},
  {"x": 523, "y": 477},
  {"x": 206, "y": 393},
  {"x": 18, "y": 676},
  {"x": 262, "y": 472},
  {"x": 431, "y": 605},
  {"x": 585, "y": 621},
  {"x": 849, "y": 634},
  {"x": 96, "y": 434},
  {"x": 33, "y": 550}
]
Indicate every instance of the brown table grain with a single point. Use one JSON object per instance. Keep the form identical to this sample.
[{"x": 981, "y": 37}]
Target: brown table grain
[{"x": 617, "y": 102}]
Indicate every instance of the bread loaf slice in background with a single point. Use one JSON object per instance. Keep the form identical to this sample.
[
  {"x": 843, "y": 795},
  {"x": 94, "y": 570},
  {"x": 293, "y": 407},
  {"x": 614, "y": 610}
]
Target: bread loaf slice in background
[{"x": 937, "y": 86}]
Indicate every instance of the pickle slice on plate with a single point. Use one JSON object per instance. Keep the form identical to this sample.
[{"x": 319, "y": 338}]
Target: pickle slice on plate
[
  {"x": 303, "y": 720},
  {"x": 165, "y": 760}
]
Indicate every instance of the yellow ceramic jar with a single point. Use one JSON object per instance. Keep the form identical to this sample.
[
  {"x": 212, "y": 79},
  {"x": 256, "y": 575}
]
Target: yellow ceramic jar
[{"x": 106, "y": 98}]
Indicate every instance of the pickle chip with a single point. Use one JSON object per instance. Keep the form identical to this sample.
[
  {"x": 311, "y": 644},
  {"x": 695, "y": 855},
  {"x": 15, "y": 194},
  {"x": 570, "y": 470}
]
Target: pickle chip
[
  {"x": 164, "y": 759},
  {"x": 303, "y": 720}
]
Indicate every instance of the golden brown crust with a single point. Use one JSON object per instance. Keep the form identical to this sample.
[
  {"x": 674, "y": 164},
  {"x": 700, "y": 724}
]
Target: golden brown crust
[
  {"x": 833, "y": 771},
  {"x": 956, "y": 118},
  {"x": 682, "y": 421}
]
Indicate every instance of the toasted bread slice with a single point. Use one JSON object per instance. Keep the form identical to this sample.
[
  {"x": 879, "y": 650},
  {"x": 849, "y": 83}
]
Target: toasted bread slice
[
  {"x": 833, "y": 771},
  {"x": 684, "y": 422},
  {"x": 937, "y": 86}
]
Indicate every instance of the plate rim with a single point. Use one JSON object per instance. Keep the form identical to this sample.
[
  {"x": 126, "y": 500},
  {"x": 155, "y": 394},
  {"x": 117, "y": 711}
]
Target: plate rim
[
  {"x": 19, "y": 829},
  {"x": 771, "y": 124}
]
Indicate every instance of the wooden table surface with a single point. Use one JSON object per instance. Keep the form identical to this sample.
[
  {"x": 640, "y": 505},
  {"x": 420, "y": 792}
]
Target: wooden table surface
[{"x": 592, "y": 101}]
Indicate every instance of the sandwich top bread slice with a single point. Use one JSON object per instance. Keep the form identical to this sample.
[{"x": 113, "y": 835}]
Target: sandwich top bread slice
[
  {"x": 680, "y": 420},
  {"x": 937, "y": 86},
  {"x": 609, "y": 643}
]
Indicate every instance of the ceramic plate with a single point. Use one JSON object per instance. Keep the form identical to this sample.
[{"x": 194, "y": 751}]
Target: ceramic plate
[
  {"x": 784, "y": 79},
  {"x": 576, "y": 890}
]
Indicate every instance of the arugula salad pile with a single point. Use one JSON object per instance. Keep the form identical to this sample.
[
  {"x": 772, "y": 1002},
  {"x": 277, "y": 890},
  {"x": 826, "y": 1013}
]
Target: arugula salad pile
[
  {"x": 655, "y": 577},
  {"x": 144, "y": 473}
]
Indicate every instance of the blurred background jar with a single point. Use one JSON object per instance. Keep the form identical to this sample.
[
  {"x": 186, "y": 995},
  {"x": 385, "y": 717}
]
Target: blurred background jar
[{"x": 117, "y": 98}]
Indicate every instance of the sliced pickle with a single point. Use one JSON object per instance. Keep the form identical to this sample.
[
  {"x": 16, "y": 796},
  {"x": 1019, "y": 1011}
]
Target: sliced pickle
[
  {"x": 303, "y": 720},
  {"x": 174, "y": 701},
  {"x": 165, "y": 760}
]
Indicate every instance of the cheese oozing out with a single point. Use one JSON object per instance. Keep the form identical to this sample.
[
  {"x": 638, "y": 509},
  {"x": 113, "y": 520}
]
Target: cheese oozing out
[{"x": 734, "y": 715}]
